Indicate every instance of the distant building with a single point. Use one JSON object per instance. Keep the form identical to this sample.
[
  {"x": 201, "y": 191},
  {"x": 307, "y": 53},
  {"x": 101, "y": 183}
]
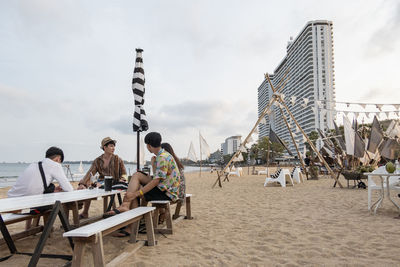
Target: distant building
[
  {"x": 231, "y": 145},
  {"x": 215, "y": 157},
  {"x": 310, "y": 60}
]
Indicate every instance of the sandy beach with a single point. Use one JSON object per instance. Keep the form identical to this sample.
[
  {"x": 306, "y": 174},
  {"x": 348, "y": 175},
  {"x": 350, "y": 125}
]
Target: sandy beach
[{"x": 245, "y": 224}]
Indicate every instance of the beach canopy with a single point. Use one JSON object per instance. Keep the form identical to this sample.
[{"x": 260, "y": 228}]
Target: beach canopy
[
  {"x": 376, "y": 136},
  {"x": 274, "y": 138}
]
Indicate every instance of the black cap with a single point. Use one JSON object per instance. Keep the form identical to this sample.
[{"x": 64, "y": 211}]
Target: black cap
[{"x": 53, "y": 151}]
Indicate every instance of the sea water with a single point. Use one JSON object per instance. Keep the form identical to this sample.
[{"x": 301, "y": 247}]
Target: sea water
[{"x": 9, "y": 172}]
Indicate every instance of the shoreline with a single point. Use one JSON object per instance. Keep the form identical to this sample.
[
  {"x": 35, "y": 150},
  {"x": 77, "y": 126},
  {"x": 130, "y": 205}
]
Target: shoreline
[{"x": 244, "y": 223}]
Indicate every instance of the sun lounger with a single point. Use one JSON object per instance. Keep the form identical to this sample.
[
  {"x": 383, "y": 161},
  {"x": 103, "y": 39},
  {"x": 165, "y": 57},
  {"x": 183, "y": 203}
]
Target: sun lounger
[
  {"x": 92, "y": 234},
  {"x": 282, "y": 179}
]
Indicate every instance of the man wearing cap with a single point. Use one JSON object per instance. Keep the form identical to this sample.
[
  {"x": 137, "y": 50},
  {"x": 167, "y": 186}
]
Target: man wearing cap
[
  {"x": 108, "y": 164},
  {"x": 30, "y": 181}
]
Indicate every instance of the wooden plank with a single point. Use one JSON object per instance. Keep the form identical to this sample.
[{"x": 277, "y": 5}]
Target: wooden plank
[
  {"x": 26, "y": 202},
  {"x": 79, "y": 248},
  {"x": 116, "y": 227},
  {"x": 10, "y": 218},
  {"x": 108, "y": 223},
  {"x": 98, "y": 251}
]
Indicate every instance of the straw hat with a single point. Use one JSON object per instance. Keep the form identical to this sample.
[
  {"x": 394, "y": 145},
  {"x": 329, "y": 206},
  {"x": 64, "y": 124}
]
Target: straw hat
[{"x": 106, "y": 141}]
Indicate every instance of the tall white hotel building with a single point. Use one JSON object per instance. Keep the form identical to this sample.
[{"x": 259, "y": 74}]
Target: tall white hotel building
[{"x": 310, "y": 60}]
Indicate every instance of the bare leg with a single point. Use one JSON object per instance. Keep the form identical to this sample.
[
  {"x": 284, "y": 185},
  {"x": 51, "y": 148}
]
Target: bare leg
[
  {"x": 86, "y": 206},
  {"x": 137, "y": 180}
]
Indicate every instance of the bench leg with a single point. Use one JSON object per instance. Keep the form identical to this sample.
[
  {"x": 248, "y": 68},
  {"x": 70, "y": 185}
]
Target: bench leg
[
  {"x": 151, "y": 240},
  {"x": 134, "y": 232},
  {"x": 188, "y": 209},
  {"x": 75, "y": 213},
  {"x": 105, "y": 204},
  {"x": 177, "y": 210},
  {"x": 98, "y": 251},
  {"x": 155, "y": 218},
  {"x": 168, "y": 217},
  {"x": 79, "y": 248}
]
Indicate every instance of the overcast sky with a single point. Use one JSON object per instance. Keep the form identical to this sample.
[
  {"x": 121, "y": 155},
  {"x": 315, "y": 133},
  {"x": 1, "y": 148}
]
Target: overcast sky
[{"x": 66, "y": 67}]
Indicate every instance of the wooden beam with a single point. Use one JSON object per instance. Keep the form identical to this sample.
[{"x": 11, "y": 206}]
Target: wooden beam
[
  {"x": 265, "y": 111},
  {"x": 305, "y": 135}
]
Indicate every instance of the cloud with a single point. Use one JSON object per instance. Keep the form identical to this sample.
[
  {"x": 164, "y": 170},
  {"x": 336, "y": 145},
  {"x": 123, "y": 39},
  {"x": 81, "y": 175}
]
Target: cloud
[{"x": 386, "y": 38}]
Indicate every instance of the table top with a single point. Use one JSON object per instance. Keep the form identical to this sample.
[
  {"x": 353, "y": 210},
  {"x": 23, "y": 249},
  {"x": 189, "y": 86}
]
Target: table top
[
  {"x": 381, "y": 174},
  {"x": 27, "y": 202}
]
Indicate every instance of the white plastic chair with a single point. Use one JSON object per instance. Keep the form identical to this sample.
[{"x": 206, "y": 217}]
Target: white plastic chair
[
  {"x": 284, "y": 176},
  {"x": 235, "y": 171},
  {"x": 297, "y": 176},
  {"x": 393, "y": 180},
  {"x": 266, "y": 172}
]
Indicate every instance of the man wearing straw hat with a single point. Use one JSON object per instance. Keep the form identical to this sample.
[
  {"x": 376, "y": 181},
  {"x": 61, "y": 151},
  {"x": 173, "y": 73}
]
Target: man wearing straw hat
[
  {"x": 164, "y": 185},
  {"x": 107, "y": 164}
]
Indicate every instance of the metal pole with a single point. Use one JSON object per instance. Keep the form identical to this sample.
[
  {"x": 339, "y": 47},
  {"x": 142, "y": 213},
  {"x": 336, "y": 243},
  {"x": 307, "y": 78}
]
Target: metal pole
[{"x": 138, "y": 151}]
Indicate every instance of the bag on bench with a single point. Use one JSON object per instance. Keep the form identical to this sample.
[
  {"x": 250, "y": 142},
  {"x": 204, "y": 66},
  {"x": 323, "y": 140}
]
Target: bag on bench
[{"x": 47, "y": 190}]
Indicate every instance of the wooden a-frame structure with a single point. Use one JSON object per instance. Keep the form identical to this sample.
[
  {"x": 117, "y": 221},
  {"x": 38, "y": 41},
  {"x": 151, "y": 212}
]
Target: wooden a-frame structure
[{"x": 277, "y": 97}]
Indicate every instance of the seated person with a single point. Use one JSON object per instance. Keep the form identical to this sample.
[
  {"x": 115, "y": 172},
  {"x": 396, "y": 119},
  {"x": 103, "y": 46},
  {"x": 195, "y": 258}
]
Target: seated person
[
  {"x": 164, "y": 185},
  {"x": 182, "y": 185},
  {"x": 30, "y": 182},
  {"x": 108, "y": 164}
]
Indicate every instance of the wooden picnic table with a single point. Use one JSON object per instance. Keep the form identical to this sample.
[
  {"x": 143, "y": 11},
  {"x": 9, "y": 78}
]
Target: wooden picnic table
[{"x": 56, "y": 200}]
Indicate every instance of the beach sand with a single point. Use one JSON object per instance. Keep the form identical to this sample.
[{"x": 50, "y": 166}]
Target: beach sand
[{"x": 245, "y": 224}]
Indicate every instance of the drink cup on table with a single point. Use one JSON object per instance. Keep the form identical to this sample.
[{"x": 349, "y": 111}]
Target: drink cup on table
[{"x": 108, "y": 183}]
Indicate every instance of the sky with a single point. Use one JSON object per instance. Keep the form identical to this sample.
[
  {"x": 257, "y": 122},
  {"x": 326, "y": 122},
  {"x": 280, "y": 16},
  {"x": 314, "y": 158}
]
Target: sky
[{"x": 66, "y": 67}]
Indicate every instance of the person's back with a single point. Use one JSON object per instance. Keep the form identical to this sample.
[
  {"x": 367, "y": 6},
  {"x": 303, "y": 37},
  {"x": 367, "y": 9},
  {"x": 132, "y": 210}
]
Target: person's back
[
  {"x": 30, "y": 181},
  {"x": 167, "y": 169}
]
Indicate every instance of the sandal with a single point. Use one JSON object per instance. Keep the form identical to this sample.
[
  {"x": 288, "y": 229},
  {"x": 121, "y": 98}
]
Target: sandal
[
  {"x": 108, "y": 214},
  {"x": 122, "y": 233}
]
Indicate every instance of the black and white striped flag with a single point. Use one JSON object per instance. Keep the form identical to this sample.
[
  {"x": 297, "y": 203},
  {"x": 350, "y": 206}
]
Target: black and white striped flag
[{"x": 139, "y": 116}]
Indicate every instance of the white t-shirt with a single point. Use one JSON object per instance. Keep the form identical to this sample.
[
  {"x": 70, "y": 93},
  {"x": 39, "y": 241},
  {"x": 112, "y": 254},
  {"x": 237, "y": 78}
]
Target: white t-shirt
[{"x": 30, "y": 181}]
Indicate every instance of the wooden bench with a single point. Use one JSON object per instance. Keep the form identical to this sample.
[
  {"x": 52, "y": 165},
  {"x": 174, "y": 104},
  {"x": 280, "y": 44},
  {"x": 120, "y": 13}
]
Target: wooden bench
[
  {"x": 10, "y": 218},
  {"x": 92, "y": 234},
  {"x": 165, "y": 204}
]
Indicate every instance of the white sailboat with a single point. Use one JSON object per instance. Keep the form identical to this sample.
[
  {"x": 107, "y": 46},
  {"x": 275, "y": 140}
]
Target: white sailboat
[{"x": 80, "y": 172}]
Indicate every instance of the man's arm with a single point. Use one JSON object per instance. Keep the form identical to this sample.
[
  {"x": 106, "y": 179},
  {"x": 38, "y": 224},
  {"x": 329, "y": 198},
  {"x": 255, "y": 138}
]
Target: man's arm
[
  {"x": 150, "y": 185},
  {"x": 122, "y": 170},
  {"x": 86, "y": 179},
  {"x": 59, "y": 175}
]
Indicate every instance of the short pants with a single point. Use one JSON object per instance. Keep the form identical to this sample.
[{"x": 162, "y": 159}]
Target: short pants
[{"x": 156, "y": 194}]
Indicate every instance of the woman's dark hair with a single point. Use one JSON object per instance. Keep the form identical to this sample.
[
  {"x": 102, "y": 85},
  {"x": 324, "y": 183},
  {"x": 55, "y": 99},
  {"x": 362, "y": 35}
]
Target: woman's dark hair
[
  {"x": 153, "y": 139},
  {"x": 169, "y": 149}
]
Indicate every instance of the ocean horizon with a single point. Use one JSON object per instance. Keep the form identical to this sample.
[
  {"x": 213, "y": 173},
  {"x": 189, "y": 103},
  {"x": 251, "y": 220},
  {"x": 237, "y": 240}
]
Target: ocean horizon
[{"x": 9, "y": 172}]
